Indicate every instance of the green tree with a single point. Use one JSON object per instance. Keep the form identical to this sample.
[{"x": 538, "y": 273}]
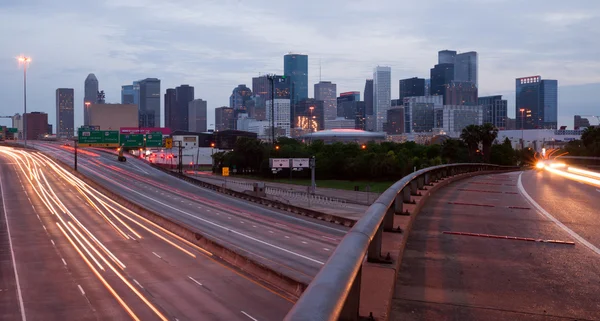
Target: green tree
[
  {"x": 471, "y": 135},
  {"x": 487, "y": 134}
]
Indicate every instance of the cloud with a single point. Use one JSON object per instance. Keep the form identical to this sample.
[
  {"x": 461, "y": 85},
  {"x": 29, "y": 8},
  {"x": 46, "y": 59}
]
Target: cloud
[{"x": 216, "y": 45}]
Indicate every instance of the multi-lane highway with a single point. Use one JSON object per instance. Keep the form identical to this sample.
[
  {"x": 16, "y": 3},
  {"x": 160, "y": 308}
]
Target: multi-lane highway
[
  {"x": 71, "y": 253},
  {"x": 295, "y": 246}
]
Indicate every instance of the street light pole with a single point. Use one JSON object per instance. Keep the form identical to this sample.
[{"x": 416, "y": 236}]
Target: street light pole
[
  {"x": 24, "y": 60},
  {"x": 522, "y": 110},
  {"x": 87, "y": 112}
]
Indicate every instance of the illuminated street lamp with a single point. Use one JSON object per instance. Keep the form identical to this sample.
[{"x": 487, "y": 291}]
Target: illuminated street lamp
[
  {"x": 24, "y": 61},
  {"x": 87, "y": 112},
  {"x": 522, "y": 110}
]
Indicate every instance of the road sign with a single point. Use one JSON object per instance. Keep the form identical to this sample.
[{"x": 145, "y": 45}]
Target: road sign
[
  {"x": 98, "y": 138},
  {"x": 280, "y": 162},
  {"x": 12, "y": 130},
  {"x": 154, "y": 140},
  {"x": 300, "y": 162},
  {"x": 225, "y": 171},
  {"x": 169, "y": 142},
  {"x": 132, "y": 140}
]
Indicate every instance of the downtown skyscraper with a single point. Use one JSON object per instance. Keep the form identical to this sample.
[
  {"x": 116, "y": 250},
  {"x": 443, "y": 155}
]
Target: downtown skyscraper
[
  {"x": 149, "y": 103},
  {"x": 326, "y": 91},
  {"x": 65, "y": 115},
  {"x": 90, "y": 96},
  {"x": 536, "y": 103},
  {"x": 382, "y": 95},
  {"x": 295, "y": 69}
]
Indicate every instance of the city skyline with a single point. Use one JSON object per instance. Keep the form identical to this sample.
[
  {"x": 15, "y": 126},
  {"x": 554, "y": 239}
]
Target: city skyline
[{"x": 504, "y": 55}]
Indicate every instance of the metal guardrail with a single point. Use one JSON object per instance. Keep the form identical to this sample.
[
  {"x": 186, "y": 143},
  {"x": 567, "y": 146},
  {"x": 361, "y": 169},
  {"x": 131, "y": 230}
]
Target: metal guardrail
[{"x": 334, "y": 294}]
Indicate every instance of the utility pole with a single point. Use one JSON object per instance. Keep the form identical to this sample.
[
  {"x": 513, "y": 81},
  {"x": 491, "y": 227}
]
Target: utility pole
[
  {"x": 272, "y": 80},
  {"x": 75, "y": 164},
  {"x": 180, "y": 163},
  {"x": 313, "y": 165}
]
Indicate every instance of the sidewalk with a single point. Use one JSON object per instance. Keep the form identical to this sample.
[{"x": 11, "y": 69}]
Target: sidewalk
[{"x": 343, "y": 203}]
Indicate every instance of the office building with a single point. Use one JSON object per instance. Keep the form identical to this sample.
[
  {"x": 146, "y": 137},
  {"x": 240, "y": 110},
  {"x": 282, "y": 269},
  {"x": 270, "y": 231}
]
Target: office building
[
  {"x": 441, "y": 76},
  {"x": 295, "y": 67},
  {"x": 446, "y": 56},
  {"x": 460, "y": 93},
  {"x": 347, "y": 105},
  {"x": 536, "y": 103},
  {"x": 458, "y": 117},
  {"x": 423, "y": 114},
  {"x": 224, "y": 118},
  {"x": 412, "y": 87},
  {"x": 65, "y": 114},
  {"x": 90, "y": 95},
  {"x": 37, "y": 124},
  {"x": 260, "y": 86},
  {"x": 340, "y": 123},
  {"x": 382, "y": 95},
  {"x": 50, "y": 129},
  {"x": 326, "y": 92},
  {"x": 310, "y": 115},
  {"x": 395, "y": 121},
  {"x": 170, "y": 102},
  {"x": 494, "y": 110},
  {"x": 179, "y": 115},
  {"x": 511, "y": 123},
  {"x": 282, "y": 117},
  {"x": 197, "y": 110},
  {"x": 17, "y": 122},
  {"x": 368, "y": 97},
  {"x": 129, "y": 95},
  {"x": 427, "y": 87},
  {"x": 149, "y": 103},
  {"x": 578, "y": 122},
  {"x": 257, "y": 107},
  {"x": 239, "y": 96},
  {"x": 465, "y": 67},
  {"x": 113, "y": 116}
]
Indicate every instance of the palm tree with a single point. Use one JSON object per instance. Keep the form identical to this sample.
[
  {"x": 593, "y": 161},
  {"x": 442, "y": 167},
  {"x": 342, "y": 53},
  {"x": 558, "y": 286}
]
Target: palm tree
[
  {"x": 488, "y": 134},
  {"x": 471, "y": 135}
]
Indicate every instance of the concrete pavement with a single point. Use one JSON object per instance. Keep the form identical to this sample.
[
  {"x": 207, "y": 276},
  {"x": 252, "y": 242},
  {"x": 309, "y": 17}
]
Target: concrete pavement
[{"x": 460, "y": 277}]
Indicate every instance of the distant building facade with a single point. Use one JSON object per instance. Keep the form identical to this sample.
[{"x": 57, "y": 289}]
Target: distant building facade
[
  {"x": 37, "y": 125},
  {"x": 495, "y": 111},
  {"x": 90, "y": 95},
  {"x": 326, "y": 91},
  {"x": 536, "y": 102},
  {"x": 295, "y": 68},
  {"x": 224, "y": 118},
  {"x": 149, "y": 103},
  {"x": 170, "y": 103},
  {"x": 457, "y": 117},
  {"x": 441, "y": 76},
  {"x": 580, "y": 122},
  {"x": 65, "y": 113},
  {"x": 113, "y": 116},
  {"x": 282, "y": 111},
  {"x": 197, "y": 110},
  {"x": 310, "y": 115},
  {"x": 382, "y": 95},
  {"x": 395, "y": 121},
  {"x": 423, "y": 114},
  {"x": 412, "y": 87},
  {"x": 466, "y": 67},
  {"x": 460, "y": 93}
]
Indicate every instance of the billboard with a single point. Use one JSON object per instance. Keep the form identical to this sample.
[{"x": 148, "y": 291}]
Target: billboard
[{"x": 146, "y": 130}]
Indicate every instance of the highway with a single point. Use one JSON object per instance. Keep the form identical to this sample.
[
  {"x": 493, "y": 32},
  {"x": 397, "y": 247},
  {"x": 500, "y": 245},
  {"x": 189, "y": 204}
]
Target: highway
[
  {"x": 71, "y": 253},
  {"x": 295, "y": 246},
  {"x": 481, "y": 250}
]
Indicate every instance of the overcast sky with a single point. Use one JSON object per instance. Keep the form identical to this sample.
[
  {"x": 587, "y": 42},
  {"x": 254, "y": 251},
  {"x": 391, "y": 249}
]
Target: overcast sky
[{"x": 216, "y": 45}]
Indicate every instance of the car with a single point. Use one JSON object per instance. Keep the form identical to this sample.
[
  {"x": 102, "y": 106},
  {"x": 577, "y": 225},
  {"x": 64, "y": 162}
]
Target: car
[{"x": 67, "y": 144}]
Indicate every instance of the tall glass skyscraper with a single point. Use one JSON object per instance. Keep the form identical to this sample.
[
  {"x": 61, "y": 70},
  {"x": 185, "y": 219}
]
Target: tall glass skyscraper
[
  {"x": 465, "y": 67},
  {"x": 441, "y": 76},
  {"x": 412, "y": 87},
  {"x": 326, "y": 91},
  {"x": 494, "y": 110},
  {"x": 295, "y": 68},
  {"x": 382, "y": 95},
  {"x": 536, "y": 103},
  {"x": 149, "y": 105},
  {"x": 90, "y": 95},
  {"x": 65, "y": 116}
]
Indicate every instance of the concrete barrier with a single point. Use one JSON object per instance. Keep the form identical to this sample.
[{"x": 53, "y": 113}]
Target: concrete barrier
[
  {"x": 281, "y": 283},
  {"x": 263, "y": 201}
]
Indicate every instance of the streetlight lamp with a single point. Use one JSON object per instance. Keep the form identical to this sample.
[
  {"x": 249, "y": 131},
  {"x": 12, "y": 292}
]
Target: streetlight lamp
[
  {"x": 87, "y": 112},
  {"x": 24, "y": 60},
  {"x": 522, "y": 110}
]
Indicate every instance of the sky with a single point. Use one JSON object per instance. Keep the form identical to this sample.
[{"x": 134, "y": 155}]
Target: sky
[{"x": 217, "y": 45}]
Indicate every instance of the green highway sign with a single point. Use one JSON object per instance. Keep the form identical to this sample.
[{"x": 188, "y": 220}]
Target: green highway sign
[
  {"x": 98, "y": 138},
  {"x": 132, "y": 140},
  {"x": 154, "y": 140},
  {"x": 12, "y": 130}
]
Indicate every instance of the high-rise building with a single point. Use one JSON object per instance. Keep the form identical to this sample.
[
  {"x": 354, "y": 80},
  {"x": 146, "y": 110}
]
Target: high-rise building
[
  {"x": 494, "y": 110},
  {"x": 90, "y": 95},
  {"x": 427, "y": 87},
  {"x": 257, "y": 107},
  {"x": 458, "y": 117},
  {"x": 37, "y": 124},
  {"x": 310, "y": 115},
  {"x": 239, "y": 96},
  {"x": 460, "y": 93},
  {"x": 395, "y": 121},
  {"x": 282, "y": 117},
  {"x": 412, "y": 87},
  {"x": 382, "y": 95},
  {"x": 128, "y": 95},
  {"x": 170, "y": 101},
  {"x": 260, "y": 85},
  {"x": 149, "y": 103},
  {"x": 184, "y": 94},
  {"x": 446, "y": 56},
  {"x": 65, "y": 115},
  {"x": 326, "y": 92},
  {"x": 368, "y": 97},
  {"x": 536, "y": 103},
  {"x": 441, "y": 76},
  {"x": 347, "y": 105},
  {"x": 17, "y": 122},
  {"x": 578, "y": 122},
  {"x": 465, "y": 67},
  {"x": 197, "y": 109},
  {"x": 260, "y": 94},
  {"x": 224, "y": 118},
  {"x": 423, "y": 114},
  {"x": 295, "y": 67},
  {"x": 49, "y": 129},
  {"x": 113, "y": 116}
]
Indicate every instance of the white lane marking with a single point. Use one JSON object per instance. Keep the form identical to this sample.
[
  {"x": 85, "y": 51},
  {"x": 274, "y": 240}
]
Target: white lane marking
[
  {"x": 44, "y": 226},
  {"x": 29, "y": 199},
  {"x": 81, "y": 289},
  {"x": 229, "y": 217},
  {"x": 303, "y": 242},
  {"x": 287, "y": 237},
  {"x": 138, "y": 283},
  {"x": 249, "y": 316},
  {"x": 209, "y": 211},
  {"x": 191, "y": 278},
  {"x": 597, "y": 190},
  {"x": 131, "y": 237},
  {"x": 271, "y": 232},
  {"x": 158, "y": 256},
  {"x": 190, "y": 204},
  {"x": 64, "y": 262},
  {"x": 200, "y": 207},
  {"x": 329, "y": 238},
  {"x": 38, "y": 217},
  {"x": 281, "y": 225},
  {"x": 553, "y": 219},
  {"x": 242, "y": 222},
  {"x": 224, "y": 227},
  {"x": 326, "y": 249},
  {"x": 12, "y": 252},
  {"x": 253, "y": 225},
  {"x": 53, "y": 242}
]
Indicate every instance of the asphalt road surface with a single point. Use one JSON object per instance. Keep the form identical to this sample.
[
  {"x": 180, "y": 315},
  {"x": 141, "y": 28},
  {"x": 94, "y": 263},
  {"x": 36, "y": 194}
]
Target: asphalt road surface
[
  {"x": 447, "y": 276},
  {"x": 67, "y": 252}
]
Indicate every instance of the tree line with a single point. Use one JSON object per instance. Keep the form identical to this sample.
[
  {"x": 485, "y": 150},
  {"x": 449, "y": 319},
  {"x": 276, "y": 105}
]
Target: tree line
[{"x": 386, "y": 161}]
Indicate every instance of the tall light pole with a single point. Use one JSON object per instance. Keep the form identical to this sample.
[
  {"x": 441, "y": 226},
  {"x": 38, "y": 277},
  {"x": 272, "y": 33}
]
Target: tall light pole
[
  {"x": 24, "y": 60},
  {"x": 522, "y": 110},
  {"x": 87, "y": 112}
]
